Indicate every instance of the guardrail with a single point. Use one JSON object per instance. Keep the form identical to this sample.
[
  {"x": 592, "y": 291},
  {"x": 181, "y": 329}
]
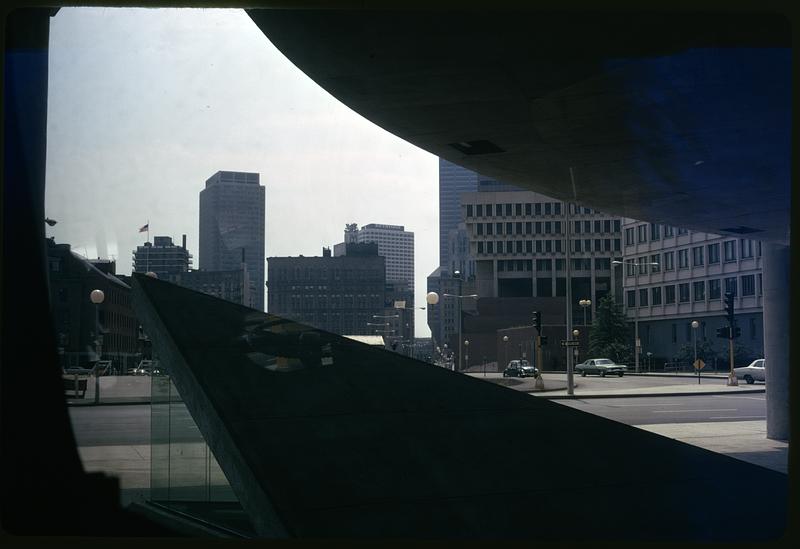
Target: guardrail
[{"x": 80, "y": 378}]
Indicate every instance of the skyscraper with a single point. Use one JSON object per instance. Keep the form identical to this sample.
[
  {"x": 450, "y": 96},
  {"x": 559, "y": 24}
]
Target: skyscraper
[
  {"x": 231, "y": 221},
  {"x": 453, "y": 182}
]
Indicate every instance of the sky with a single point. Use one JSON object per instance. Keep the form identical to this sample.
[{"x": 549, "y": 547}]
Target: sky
[{"x": 146, "y": 104}]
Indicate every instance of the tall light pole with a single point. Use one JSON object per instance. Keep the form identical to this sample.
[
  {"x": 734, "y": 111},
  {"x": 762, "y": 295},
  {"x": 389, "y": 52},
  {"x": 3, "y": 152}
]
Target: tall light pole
[
  {"x": 433, "y": 297},
  {"x": 695, "y": 325},
  {"x": 466, "y": 351},
  {"x": 575, "y": 334},
  {"x": 584, "y": 303},
  {"x": 97, "y": 297},
  {"x": 505, "y": 351},
  {"x": 637, "y": 346}
]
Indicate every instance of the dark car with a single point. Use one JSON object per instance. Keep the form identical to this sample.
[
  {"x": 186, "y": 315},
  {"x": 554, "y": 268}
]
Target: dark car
[{"x": 520, "y": 368}]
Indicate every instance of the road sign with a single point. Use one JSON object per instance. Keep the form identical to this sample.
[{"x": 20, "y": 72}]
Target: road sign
[
  {"x": 699, "y": 364},
  {"x": 570, "y": 343}
]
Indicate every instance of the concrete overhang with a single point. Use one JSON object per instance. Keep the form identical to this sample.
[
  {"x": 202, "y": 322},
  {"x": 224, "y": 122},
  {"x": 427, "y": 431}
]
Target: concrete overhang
[{"x": 681, "y": 118}]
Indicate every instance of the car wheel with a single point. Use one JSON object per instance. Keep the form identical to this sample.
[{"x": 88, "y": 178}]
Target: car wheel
[
  {"x": 602, "y": 374},
  {"x": 749, "y": 379},
  {"x": 583, "y": 373},
  {"x": 505, "y": 374},
  {"x": 620, "y": 374}
]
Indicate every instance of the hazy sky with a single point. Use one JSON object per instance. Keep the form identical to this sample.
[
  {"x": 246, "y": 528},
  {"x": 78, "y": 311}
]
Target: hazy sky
[{"x": 146, "y": 104}]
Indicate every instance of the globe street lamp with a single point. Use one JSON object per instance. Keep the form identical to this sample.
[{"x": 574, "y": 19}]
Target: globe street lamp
[
  {"x": 637, "y": 271},
  {"x": 505, "y": 349},
  {"x": 584, "y": 303},
  {"x": 97, "y": 297},
  {"x": 695, "y": 325},
  {"x": 433, "y": 298},
  {"x": 575, "y": 334},
  {"x": 466, "y": 351}
]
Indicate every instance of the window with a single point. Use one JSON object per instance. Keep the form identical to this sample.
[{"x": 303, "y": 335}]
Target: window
[
  {"x": 669, "y": 295},
  {"x": 629, "y": 236},
  {"x": 617, "y": 245},
  {"x": 544, "y": 264},
  {"x": 729, "y": 250},
  {"x": 669, "y": 231},
  {"x": 642, "y": 233},
  {"x": 587, "y": 226},
  {"x": 747, "y": 248},
  {"x": 557, "y": 227},
  {"x": 558, "y": 245},
  {"x": 688, "y": 331},
  {"x": 518, "y": 209},
  {"x": 730, "y": 285},
  {"x": 529, "y": 246},
  {"x": 489, "y": 228},
  {"x": 527, "y": 209},
  {"x": 479, "y": 227},
  {"x": 607, "y": 226},
  {"x": 469, "y": 210},
  {"x": 538, "y": 246},
  {"x": 641, "y": 264},
  {"x": 490, "y": 247},
  {"x": 683, "y": 292},
  {"x": 538, "y": 208},
  {"x": 682, "y": 231},
  {"x": 501, "y": 266},
  {"x": 655, "y": 231},
  {"x": 548, "y": 208},
  {"x": 631, "y": 298},
  {"x": 602, "y": 263},
  {"x": 548, "y": 246},
  {"x": 752, "y": 328},
  {"x": 669, "y": 261},
  {"x": 597, "y": 226},
  {"x": 655, "y": 258},
  {"x": 683, "y": 258},
  {"x": 509, "y": 247},
  {"x": 655, "y": 294},
  {"x": 488, "y": 210},
  {"x": 557, "y": 208},
  {"x": 538, "y": 227},
  {"x": 518, "y": 227},
  {"x": 630, "y": 269},
  {"x": 577, "y": 227},
  {"x": 674, "y": 333},
  {"x": 699, "y": 289},
  {"x": 713, "y": 253},
  {"x": 749, "y": 285},
  {"x": 760, "y": 290},
  {"x": 508, "y": 210},
  {"x": 598, "y": 245},
  {"x": 713, "y": 289},
  {"x": 643, "y": 297},
  {"x": 519, "y": 246},
  {"x": 528, "y": 227},
  {"x": 560, "y": 264},
  {"x": 509, "y": 228},
  {"x": 617, "y": 225},
  {"x": 576, "y": 245},
  {"x": 607, "y": 244},
  {"x": 547, "y": 227},
  {"x": 697, "y": 256},
  {"x": 480, "y": 247}
]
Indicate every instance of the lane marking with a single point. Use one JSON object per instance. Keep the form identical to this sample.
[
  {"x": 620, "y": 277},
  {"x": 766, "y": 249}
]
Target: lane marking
[
  {"x": 738, "y": 417},
  {"x": 729, "y": 396},
  {"x": 682, "y": 411},
  {"x": 646, "y": 405}
]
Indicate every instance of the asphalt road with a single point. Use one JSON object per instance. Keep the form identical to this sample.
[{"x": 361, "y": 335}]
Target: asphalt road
[
  {"x": 675, "y": 409},
  {"x": 609, "y": 383},
  {"x": 123, "y": 425}
]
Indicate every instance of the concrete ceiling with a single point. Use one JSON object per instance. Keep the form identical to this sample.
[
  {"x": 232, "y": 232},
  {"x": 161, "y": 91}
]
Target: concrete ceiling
[{"x": 675, "y": 118}]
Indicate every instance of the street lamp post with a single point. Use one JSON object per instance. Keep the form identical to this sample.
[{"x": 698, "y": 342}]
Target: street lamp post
[
  {"x": 505, "y": 350},
  {"x": 433, "y": 298},
  {"x": 637, "y": 344},
  {"x": 584, "y": 303},
  {"x": 695, "y": 325},
  {"x": 575, "y": 334},
  {"x": 97, "y": 297},
  {"x": 466, "y": 352}
]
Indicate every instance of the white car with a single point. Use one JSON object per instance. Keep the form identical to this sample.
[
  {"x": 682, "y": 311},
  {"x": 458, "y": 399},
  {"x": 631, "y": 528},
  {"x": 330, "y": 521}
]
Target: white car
[
  {"x": 601, "y": 366},
  {"x": 752, "y": 372}
]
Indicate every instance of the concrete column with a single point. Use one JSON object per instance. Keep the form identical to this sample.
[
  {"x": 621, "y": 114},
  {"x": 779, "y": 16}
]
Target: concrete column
[{"x": 776, "y": 337}]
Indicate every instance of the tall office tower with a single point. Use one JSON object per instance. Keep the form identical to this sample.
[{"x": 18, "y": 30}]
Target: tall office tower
[
  {"x": 162, "y": 257},
  {"x": 683, "y": 276},
  {"x": 453, "y": 182},
  {"x": 231, "y": 220}
]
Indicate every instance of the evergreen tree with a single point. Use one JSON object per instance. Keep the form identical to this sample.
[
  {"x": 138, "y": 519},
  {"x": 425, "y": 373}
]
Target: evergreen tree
[{"x": 610, "y": 336}]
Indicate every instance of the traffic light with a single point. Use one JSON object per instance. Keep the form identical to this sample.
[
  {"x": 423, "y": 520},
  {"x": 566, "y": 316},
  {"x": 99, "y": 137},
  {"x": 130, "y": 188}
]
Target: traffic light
[
  {"x": 729, "y": 307},
  {"x": 724, "y": 332},
  {"x": 537, "y": 320}
]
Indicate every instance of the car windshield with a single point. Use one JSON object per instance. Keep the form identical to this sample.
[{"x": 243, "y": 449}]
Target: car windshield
[{"x": 603, "y": 361}]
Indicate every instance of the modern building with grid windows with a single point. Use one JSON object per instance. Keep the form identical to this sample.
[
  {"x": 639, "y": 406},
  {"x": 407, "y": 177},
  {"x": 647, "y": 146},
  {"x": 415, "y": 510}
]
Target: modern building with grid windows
[
  {"x": 518, "y": 240},
  {"x": 683, "y": 276}
]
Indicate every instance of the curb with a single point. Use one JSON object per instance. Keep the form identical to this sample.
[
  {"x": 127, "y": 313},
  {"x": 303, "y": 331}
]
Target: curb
[
  {"x": 637, "y": 395},
  {"x": 92, "y": 404}
]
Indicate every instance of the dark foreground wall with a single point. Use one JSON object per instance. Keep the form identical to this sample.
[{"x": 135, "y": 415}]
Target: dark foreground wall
[{"x": 337, "y": 439}]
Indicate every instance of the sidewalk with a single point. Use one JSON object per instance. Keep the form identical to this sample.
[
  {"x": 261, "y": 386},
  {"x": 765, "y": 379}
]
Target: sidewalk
[{"x": 664, "y": 390}]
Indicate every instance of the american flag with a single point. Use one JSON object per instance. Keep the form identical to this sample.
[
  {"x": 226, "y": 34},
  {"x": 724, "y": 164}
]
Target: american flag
[{"x": 144, "y": 228}]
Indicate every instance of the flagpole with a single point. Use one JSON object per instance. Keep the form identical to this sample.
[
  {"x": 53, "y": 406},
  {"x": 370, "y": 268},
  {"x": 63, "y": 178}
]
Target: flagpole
[{"x": 147, "y": 255}]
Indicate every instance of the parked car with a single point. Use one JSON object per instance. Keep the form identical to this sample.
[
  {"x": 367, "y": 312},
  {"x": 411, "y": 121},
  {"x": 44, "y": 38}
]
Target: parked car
[
  {"x": 520, "y": 368},
  {"x": 601, "y": 366},
  {"x": 752, "y": 372}
]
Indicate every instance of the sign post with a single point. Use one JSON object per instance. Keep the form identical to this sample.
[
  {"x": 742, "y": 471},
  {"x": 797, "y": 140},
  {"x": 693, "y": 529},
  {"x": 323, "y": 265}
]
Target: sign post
[{"x": 699, "y": 365}]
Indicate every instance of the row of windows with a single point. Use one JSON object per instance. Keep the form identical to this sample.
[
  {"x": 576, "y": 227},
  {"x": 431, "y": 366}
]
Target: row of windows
[
  {"x": 597, "y": 226},
  {"x": 519, "y": 227},
  {"x": 699, "y": 255},
  {"x": 578, "y": 264},
  {"x": 306, "y": 273},
  {"x": 640, "y": 232},
  {"x": 509, "y": 210},
  {"x": 692, "y": 291},
  {"x": 546, "y": 246}
]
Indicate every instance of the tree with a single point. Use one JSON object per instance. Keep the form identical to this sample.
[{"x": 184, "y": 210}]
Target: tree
[
  {"x": 611, "y": 335},
  {"x": 705, "y": 350}
]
